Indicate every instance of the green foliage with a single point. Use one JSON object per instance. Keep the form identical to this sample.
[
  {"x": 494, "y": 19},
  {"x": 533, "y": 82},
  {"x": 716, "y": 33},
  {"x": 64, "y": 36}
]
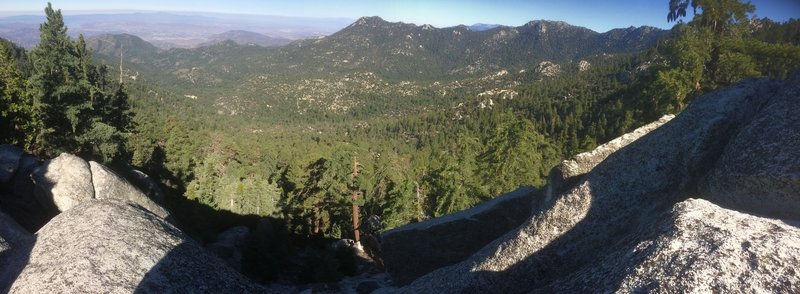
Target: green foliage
[
  {"x": 76, "y": 109},
  {"x": 719, "y": 47},
  {"x": 15, "y": 104}
]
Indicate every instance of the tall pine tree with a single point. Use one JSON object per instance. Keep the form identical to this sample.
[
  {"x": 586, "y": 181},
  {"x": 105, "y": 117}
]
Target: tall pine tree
[{"x": 76, "y": 108}]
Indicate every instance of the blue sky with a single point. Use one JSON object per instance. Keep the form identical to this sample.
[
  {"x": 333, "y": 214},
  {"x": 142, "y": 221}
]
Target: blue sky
[{"x": 597, "y": 15}]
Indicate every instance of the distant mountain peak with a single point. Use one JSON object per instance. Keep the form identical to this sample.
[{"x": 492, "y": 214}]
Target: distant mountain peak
[
  {"x": 482, "y": 27},
  {"x": 369, "y": 21}
]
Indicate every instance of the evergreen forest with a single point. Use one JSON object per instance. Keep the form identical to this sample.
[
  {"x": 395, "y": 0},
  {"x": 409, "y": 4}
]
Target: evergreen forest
[{"x": 434, "y": 121}]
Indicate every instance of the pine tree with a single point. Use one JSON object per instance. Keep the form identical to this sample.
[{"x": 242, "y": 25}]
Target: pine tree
[
  {"x": 15, "y": 105},
  {"x": 59, "y": 100},
  {"x": 76, "y": 108}
]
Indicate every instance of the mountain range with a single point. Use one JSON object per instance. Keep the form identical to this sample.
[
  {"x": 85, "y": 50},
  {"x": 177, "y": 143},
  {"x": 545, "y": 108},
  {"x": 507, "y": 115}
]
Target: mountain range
[{"x": 369, "y": 58}]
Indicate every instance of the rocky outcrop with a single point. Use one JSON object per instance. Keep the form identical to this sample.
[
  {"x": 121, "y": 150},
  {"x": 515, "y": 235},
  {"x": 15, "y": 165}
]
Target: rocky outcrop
[
  {"x": 108, "y": 185},
  {"x": 704, "y": 248},
  {"x": 568, "y": 173},
  {"x": 758, "y": 171},
  {"x": 626, "y": 226},
  {"x": 37, "y": 192},
  {"x": 416, "y": 249},
  {"x": 696, "y": 247},
  {"x": 9, "y": 160},
  {"x": 116, "y": 245},
  {"x": 584, "y": 65},
  {"x": 548, "y": 69},
  {"x": 230, "y": 246},
  {"x": 63, "y": 182}
]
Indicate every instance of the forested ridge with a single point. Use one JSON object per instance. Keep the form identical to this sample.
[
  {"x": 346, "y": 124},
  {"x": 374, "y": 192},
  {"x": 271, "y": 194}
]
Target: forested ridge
[{"x": 436, "y": 120}]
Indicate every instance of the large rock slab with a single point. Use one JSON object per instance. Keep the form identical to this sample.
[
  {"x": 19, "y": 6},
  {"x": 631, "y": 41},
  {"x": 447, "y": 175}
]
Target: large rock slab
[
  {"x": 413, "y": 250},
  {"x": 115, "y": 246},
  {"x": 63, "y": 182},
  {"x": 620, "y": 195},
  {"x": 566, "y": 174},
  {"x": 705, "y": 248},
  {"x": 9, "y": 160},
  {"x": 759, "y": 171},
  {"x": 696, "y": 247},
  {"x": 108, "y": 185}
]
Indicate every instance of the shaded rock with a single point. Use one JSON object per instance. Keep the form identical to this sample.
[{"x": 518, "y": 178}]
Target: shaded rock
[
  {"x": 9, "y": 160},
  {"x": 112, "y": 245},
  {"x": 20, "y": 202},
  {"x": 148, "y": 185},
  {"x": 23, "y": 183},
  {"x": 759, "y": 171},
  {"x": 413, "y": 250},
  {"x": 63, "y": 182},
  {"x": 364, "y": 283},
  {"x": 566, "y": 174},
  {"x": 11, "y": 234},
  {"x": 609, "y": 206},
  {"x": 230, "y": 246},
  {"x": 367, "y": 287},
  {"x": 14, "y": 244},
  {"x": 108, "y": 185}
]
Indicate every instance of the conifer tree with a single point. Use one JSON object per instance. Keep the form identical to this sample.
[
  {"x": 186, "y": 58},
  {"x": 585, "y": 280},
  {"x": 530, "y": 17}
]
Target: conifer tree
[
  {"x": 15, "y": 105},
  {"x": 76, "y": 108}
]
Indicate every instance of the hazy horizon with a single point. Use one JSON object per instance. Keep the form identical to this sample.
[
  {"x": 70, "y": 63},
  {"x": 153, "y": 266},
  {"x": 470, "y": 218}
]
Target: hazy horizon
[{"x": 599, "y": 16}]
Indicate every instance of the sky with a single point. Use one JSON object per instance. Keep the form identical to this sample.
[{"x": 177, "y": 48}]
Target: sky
[{"x": 600, "y": 16}]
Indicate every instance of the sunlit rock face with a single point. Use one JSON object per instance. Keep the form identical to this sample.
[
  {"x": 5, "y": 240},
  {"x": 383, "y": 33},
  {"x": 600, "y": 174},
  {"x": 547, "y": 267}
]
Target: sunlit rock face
[
  {"x": 632, "y": 223},
  {"x": 67, "y": 180},
  {"x": 108, "y": 185},
  {"x": 566, "y": 174},
  {"x": 63, "y": 182},
  {"x": 115, "y": 245}
]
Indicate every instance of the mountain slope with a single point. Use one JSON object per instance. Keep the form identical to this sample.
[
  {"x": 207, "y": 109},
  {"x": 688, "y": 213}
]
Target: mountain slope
[
  {"x": 400, "y": 49},
  {"x": 246, "y": 38},
  {"x": 372, "y": 63},
  {"x": 132, "y": 48}
]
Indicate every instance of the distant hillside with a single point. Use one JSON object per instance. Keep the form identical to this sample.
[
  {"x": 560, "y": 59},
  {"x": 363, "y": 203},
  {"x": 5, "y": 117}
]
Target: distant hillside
[
  {"x": 401, "y": 49},
  {"x": 132, "y": 48},
  {"x": 372, "y": 60},
  {"x": 246, "y": 38}
]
